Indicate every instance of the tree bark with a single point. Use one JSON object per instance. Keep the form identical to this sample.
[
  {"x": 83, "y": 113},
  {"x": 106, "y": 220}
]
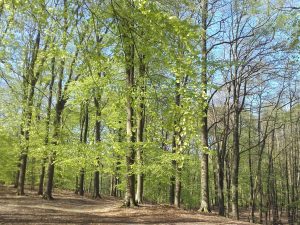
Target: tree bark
[
  {"x": 228, "y": 183},
  {"x": 81, "y": 182},
  {"x": 22, "y": 174},
  {"x": 96, "y": 193},
  {"x": 47, "y": 129},
  {"x": 42, "y": 176},
  {"x": 29, "y": 92},
  {"x": 140, "y": 129},
  {"x": 235, "y": 167},
  {"x": 130, "y": 156},
  {"x": 59, "y": 107},
  {"x": 84, "y": 139},
  {"x": 48, "y": 194},
  {"x": 172, "y": 184},
  {"x": 177, "y": 143},
  {"x": 205, "y": 204}
]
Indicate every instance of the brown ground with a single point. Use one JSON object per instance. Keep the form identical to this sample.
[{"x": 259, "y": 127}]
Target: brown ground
[{"x": 68, "y": 208}]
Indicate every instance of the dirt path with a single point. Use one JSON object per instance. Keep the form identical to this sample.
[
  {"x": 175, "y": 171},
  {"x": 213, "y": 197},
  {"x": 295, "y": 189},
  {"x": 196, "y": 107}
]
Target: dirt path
[{"x": 68, "y": 208}]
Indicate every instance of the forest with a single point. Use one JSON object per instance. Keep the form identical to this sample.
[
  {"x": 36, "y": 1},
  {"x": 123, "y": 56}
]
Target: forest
[{"x": 188, "y": 105}]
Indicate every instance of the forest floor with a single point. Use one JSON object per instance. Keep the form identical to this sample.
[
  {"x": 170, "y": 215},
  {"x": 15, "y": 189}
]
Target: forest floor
[{"x": 68, "y": 208}]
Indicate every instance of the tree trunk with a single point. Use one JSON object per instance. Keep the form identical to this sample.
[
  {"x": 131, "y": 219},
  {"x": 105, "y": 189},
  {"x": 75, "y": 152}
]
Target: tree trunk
[
  {"x": 32, "y": 175},
  {"x": 251, "y": 183},
  {"x": 22, "y": 174},
  {"x": 220, "y": 179},
  {"x": 228, "y": 184},
  {"x": 177, "y": 143},
  {"x": 48, "y": 117},
  {"x": 126, "y": 25},
  {"x": 235, "y": 167},
  {"x": 252, "y": 202},
  {"x": 221, "y": 153},
  {"x": 172, "y": 185},
  {"x": 32, "y": 79},
  {"x": 96, "y": 193},
  {"x": 59, "y": 107},
  {"x": 25, "y": 147},
  {"x": 16, "y": 183},
  {"x": 57, "y": 123},
  {"x": 81, "y": 182},
  {"x": 130, "y": 156},
  {"x": 140, "y": 130},
  {"x": 259, "y": 185},
  {"x": 205, "y": 204},
  {"x": 177, "y": 187},
  {"x": 272, "y": 181},
  {"x": 215, "y": 183},
  {"x": 42, "y": 176},
  {"x": 237, "y": 108},
  {"x": 84, "y": 138},
  {"x": 112, "y": 186},
  {"x": 48, "y": 194}
]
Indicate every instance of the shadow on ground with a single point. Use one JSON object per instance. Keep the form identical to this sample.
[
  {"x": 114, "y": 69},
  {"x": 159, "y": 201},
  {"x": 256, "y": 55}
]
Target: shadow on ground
[{"x": 68, "y": 208}]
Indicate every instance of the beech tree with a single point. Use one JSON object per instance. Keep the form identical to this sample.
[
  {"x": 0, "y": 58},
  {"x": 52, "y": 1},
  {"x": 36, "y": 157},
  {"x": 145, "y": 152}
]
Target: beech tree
[{"x": 189, "y": 103}]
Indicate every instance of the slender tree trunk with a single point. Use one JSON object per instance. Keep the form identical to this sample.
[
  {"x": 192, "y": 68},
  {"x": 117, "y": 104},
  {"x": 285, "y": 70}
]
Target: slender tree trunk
[
  {"x": 259, "y": 169},
  {"x": 172, "y": 178},
  {"x": 140, "y": 188},
  {"x": 215, "y": 183},
  {"x": 26, "y": 137},
  {"x": 252, "y": 202},
  {"x": 22, "y": 174},
  {"x": 84, "y": 140},
  {"x": 177, "y": 143},
  {"x": 118, "y": 180},
  {"x": 237, "y": 108},
  {"x": 112, "y": 186},
  {"x": 96, "y": 193},
  {"x": 130, "y": 156},
  {"x": 125, "y": 27},
  {"x": 228, "y": 184},
  {"x": 140, "y": 129},
  {"x": 204, "y": 205},
  {"x": 273, "y": 186},
  {"x": 32, "y": 79},
  {"x": 220, "y": 179},
  {"x": 81, "y": 182},
  {"x": 42, "y": 176},
  {"x": 115, "y": 178},
  {"x": 48, "y": 194},
  {"x": 172, "y": 184},
  {"x": 59, "y": 107},
  {"x": 57, "y": 123},
  {"x": 221, "y": 157},
  {"x": 17, "y": 176},
  {"x": 177, "y": 196},
  {"x": 251, "y": 183},
  {"x": 235, "y": 167},
  {"x": 48, "y": 117},
  {"x": 86, "y": 123},
  {"x": 25, "y": 85}
]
